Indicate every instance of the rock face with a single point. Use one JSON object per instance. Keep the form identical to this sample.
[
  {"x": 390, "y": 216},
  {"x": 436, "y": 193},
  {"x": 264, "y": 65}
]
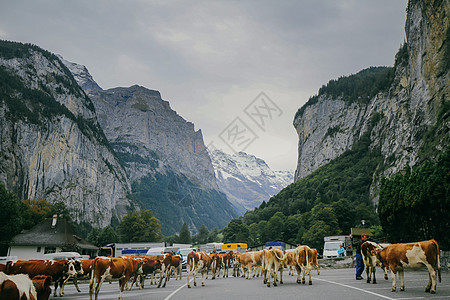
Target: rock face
[
  {"x": 51, "y": 143},
  {"x": 165, "y": 158},
  {"x": 247, "y": 180},
  {"x": 415, "y": 103},
  {"x": 138, "y": 122}
]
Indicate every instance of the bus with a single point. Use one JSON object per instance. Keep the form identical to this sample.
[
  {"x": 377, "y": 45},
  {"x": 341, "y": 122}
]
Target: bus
[{"x": 235, "y": 247}]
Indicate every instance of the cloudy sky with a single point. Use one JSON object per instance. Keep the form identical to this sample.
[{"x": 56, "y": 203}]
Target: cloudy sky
[{"x": 212, "y": 59}]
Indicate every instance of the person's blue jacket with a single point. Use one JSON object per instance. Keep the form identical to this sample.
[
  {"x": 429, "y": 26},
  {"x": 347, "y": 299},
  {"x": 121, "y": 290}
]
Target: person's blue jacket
[{"x": 341, "y": 251}]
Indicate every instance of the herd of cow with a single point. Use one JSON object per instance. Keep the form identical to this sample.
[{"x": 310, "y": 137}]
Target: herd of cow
[{"x": 15, "y": 282}]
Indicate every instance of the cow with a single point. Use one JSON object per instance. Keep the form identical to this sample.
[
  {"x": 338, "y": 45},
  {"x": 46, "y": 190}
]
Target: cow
[
  {"x": 396, "y": 257},
  {"x": 121, "y": 268},
  {"x": 214, "y": 264},
  {"x": 251, "y": 262},
  {"x": 197, "y": 261},
  {"x": 298, "y": 259},
  {"x": 42, "y": 285},
  {"x": 273, "y": 262},
  {"x": 371, "y": 261},
  {"x": 84, "y": 273},
  {"x": 149, "y": 267},
  {"x": 18, "y": 287},
  {"x": 58, "y": 269},
  {"x": 176, "y": 266},
  {"x": 225, "y": 260},
  {"x": 312, "y": 260},
  {"x": 166, "y": 261}
]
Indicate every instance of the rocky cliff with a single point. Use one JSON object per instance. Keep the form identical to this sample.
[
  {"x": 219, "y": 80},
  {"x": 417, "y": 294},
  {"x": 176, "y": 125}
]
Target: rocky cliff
[
  {"x": 247, "y": 180},
  {"x": 51, "y": 143},
  {"x": 165, "y": 158},
  {"x": 406, "y": 111}
]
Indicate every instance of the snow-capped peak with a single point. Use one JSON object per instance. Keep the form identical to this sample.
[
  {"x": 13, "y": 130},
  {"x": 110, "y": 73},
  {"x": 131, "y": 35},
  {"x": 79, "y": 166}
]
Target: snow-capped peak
[
  {"x": 246, "y": 179},
  {"x": 81, "y": 75}
]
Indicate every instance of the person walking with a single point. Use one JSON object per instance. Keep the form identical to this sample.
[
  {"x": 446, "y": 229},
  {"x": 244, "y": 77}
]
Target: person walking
[{"x": 359, "y": 260}]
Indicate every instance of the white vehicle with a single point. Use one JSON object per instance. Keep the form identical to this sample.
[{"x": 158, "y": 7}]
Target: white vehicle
[
  {"x": 332, "y": 244},
  {"x": 156, "y": 251},
  {"x": 63, "y": 255}
]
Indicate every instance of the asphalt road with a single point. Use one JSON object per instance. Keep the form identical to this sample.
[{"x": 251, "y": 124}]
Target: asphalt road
[{"x": 330, "y": 284}]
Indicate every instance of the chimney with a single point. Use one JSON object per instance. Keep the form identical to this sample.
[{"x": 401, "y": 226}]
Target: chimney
[{"x": 55, "y": 218}]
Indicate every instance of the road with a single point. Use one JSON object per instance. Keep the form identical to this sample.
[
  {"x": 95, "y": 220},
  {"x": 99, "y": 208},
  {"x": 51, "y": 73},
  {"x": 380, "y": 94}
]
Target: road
[{"x": 330, "y": 284}]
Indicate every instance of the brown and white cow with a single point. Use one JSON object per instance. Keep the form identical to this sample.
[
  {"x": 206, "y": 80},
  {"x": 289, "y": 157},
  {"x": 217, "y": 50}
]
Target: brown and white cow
[
  {"x": 371, "y": 261},
  {"x": 214, "y": 264},
  {"x": 121, "y": 268},
  {"x": 398, "y": 256},
  {"x": 166, "y": 261},
  {"x": 84, "y": 273},
  {"x": 250, "y": 263},
  {"x": 273, "y": 262},
  {"x": 225, "y": 261},
  {"x": 42, "y": 285},
  {"x": 312, "y": 260},
  {"x": 16, "y": 287},
  {"x": 58, "y": 269},
  {"x": 197, "y": 261},
  {"x": 176, "y": 266}
]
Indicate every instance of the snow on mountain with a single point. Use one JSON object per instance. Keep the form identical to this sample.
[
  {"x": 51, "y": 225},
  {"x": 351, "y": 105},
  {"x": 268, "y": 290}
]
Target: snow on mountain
[
  {"x": 247, "y": 180},
  {"x": 81, "y": 75}
]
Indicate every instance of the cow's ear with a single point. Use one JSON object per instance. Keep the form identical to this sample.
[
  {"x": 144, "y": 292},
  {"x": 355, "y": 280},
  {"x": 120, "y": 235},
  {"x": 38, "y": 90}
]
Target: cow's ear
[{"x": 48, "y": 281}]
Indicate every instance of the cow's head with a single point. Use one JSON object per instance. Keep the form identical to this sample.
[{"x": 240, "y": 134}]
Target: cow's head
[
  {"x": 78, "y": 267},
  {"x": 69, "y": 267},
  {"x": 42, "y": 285}
]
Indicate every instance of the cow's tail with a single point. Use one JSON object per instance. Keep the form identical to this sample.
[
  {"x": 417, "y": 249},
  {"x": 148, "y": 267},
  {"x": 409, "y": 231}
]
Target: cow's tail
[
  {"x": 438, "y": 261},
  {"x": 279, "y": 258}
]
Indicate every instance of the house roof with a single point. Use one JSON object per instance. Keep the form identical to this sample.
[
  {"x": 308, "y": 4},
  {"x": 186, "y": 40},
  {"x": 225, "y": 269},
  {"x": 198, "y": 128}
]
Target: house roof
[{"x": 44, "y": 234}]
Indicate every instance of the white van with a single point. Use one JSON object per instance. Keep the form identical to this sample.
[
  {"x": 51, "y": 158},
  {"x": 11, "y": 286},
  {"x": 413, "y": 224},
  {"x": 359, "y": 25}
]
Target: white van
[
  {"x": 63, "y": 255},
  {"x": 156, "y": 251}
]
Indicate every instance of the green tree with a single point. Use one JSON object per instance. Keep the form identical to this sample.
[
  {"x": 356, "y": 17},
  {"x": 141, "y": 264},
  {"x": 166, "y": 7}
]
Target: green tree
[
  {"x": 140, "y": 226},
  {"x": 314, "y": 236},
  {"x": 35, "y": 212},
  {"x": 235, "y": 232},
  {"x": 275, "y": 227},
  {"x": 421, "y": 194},
  {"x": 10, "y": 218},
  {"x": 185, "y": 234},
  {"x": 203, "y": 234}
]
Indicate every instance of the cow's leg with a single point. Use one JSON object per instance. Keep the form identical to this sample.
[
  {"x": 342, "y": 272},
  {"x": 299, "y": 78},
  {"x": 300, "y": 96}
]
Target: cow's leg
[
  {"x": 75, "y": 283},
  {"x": 368, "y": 269},
  {"x": 431, "y": 286},
  {"x": 299, "y": 271},
  {"x": 281, "y": 274},
  {"x": 394, "y": 279},
  {"x": 167, "y": 277},
  {"x": 309, "y": 273},
  {"x": 56, "y": 287},
  {"x": 91, "y": 286},
  {"x": 374, "y": 280},
  {"x": 188, "y": 273},
  {"x": 401, "y": 275},
  {"x": 203, "y": 277},
  {"x": 274, "y": 274},
  {"x": 122, "y": 281},
  {"x": 385, "y": 272}
]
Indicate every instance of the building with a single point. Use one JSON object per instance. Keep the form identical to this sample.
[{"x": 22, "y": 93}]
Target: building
[{"x": 50, "y": 236}]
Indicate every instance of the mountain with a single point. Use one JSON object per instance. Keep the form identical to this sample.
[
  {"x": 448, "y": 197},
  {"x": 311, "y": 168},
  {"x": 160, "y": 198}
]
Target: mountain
[
  {"x": 247, "y": 180},
  {"x": 51, "y": 143},
  {"x": 361, "y": 128},
  {"x": 404, "y": 109},
  {"x": 165, "y": 158},
  {"x": 102, "y": 153}
]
